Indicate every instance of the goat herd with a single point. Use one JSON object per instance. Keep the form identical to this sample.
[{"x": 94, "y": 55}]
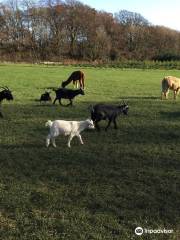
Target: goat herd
[{"x": 98, "y": 112}]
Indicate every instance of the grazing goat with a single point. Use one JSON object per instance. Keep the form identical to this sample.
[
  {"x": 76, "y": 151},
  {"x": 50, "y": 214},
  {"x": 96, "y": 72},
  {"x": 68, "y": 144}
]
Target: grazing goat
[
  {"x": 5, "y": 94},
  {"x": 67, "y": 94},
  {"x": 45, "y": 97},
  {"x": 103, "y": 111},
  {"x": 75, "y": 77},
  {"x": 172, "y": 83},
  {"x": 70, "y": 128}
]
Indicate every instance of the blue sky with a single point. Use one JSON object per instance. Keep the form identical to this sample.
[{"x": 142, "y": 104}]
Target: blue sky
[{"x": 158, "y": 12}]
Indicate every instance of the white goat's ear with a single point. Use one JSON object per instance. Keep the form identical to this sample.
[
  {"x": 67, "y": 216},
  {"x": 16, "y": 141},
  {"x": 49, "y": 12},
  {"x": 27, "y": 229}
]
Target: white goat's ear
[{"x": 89, "y": 120}]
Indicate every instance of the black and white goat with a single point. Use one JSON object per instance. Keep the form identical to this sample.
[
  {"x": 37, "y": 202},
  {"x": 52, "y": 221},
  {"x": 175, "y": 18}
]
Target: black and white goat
[
  {"x": 107, "y": 112},
  {"x": 67, "y": 128},
  {"x": 67, "y": 94},
  {"x": 5, "y": 94}
]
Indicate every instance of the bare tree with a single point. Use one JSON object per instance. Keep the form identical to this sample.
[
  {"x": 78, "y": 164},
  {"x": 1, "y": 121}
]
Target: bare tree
[
  {"x": 131, "y": 18},
  {"x": 54, "y": 29}
]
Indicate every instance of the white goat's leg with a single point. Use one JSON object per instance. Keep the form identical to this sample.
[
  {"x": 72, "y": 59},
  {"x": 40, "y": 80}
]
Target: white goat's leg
[
  {"x": 48, "y": 138},
  {"x": 70, "y": 139},
  {"x": 53, "y": 142},
  {"x": 80, "y": 139}
]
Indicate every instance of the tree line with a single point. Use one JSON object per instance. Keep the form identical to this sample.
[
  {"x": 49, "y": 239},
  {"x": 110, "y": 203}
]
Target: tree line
[{"x": 55, "y": 30}]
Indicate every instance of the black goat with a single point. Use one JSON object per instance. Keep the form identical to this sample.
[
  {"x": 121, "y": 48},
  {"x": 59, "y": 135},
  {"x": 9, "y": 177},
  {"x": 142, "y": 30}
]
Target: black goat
[
  {"x": 45, "y": 97},
  {"x": 67, "y": 94},
  {"x": 103, "y": 111},
  {"x": 5, "y": 94}
]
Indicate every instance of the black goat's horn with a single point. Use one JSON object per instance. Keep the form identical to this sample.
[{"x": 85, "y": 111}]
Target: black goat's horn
[{"x": 4, "y": 88}]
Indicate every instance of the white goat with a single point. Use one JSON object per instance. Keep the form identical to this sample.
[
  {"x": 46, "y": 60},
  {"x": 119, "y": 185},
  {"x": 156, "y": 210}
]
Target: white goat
[{"x": 71, "y": 128}]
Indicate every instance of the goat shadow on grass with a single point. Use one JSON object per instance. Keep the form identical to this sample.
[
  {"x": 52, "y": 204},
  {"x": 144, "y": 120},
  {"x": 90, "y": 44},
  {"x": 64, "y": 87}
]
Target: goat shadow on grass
[
  {"x": 50, "y": 104},
  {"x": 42, "y": 103},
  {"x": 33, "y": 145},
  {"x": 170, "y": 115}
]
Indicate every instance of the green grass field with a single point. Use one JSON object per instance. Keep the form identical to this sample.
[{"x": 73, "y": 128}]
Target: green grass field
[{"x": 117, "y": 181}]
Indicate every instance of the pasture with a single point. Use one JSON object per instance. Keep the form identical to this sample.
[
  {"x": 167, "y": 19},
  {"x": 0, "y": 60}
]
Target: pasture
[{"x": 117, "y": 181}]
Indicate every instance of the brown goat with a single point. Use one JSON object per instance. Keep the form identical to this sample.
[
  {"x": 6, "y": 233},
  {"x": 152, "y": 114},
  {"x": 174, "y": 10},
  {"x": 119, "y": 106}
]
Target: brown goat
[
  {"x": 172, "y": 83},
  {"x": 75, "y": 77}
]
